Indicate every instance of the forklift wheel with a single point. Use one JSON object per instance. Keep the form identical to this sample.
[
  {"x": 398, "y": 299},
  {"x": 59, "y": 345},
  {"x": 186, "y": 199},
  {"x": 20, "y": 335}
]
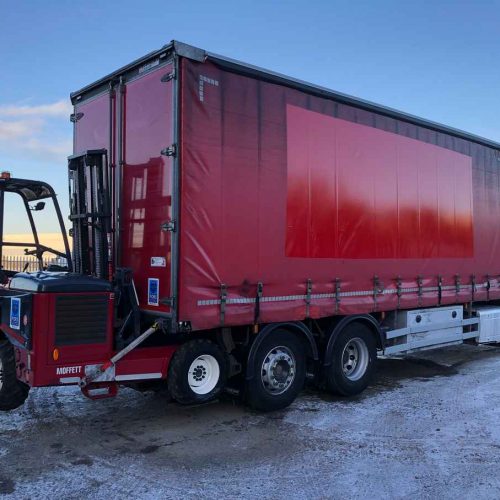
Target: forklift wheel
[
  {"x": 13, "y": 393},
  {"x": 197, "y": 373}
]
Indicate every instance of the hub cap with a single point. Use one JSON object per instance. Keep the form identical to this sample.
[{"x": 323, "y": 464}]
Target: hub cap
[
  {"x": 355, "y": 359},
  {"x": 203, "y": 374},
  {"x": 278, "y": 370}
]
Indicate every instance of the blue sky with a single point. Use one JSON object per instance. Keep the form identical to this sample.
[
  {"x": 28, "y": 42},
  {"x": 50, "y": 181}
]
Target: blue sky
[{"x": 436, "y": 59}]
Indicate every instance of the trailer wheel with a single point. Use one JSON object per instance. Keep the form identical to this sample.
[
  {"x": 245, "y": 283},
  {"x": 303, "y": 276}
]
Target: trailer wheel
[
  {"x": 13, "y": 393},
  {"x": 280, "y": 371},
  {"x": 354, "y": 358},
  {"x": 197, "y": 373}
]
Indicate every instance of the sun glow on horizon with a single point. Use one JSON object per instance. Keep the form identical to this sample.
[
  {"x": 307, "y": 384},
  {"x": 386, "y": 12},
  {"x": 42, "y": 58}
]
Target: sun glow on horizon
[{"x": 53, "y": 240}]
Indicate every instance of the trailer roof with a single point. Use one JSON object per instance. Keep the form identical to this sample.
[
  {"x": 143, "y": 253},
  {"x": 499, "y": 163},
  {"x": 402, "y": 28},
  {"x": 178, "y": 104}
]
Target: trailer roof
[{"x": 195, "y": 53}]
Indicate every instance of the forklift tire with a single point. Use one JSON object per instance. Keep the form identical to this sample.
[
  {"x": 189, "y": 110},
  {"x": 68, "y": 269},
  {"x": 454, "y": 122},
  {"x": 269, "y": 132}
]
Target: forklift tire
[
  {"x": 280, "y": 372},
  {"x": 13, "y": 393},
  {"x": 197, "y": 372},
  {"x": 353, "y": 361}
]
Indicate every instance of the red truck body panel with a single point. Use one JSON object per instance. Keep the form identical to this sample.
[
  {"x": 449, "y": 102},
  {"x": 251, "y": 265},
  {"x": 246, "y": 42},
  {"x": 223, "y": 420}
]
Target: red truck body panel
[
  {"x": 147, "y": 185},
  {"x": 146, "y": 191},
  {"x": 281, "y": 187},
  {"x": 335, "y": 206}
]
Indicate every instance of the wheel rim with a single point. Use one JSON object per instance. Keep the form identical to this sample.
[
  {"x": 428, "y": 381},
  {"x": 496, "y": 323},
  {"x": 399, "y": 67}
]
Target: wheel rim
[
  {"x": 278, "y": 370},
  {"x": 355, "y": 358},
  {"x": 203, "y": 374},
  {"x": 1, "y": 374}
]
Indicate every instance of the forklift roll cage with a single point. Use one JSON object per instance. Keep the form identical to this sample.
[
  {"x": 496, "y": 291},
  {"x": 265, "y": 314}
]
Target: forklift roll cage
[{"x": 32, "y": 191}]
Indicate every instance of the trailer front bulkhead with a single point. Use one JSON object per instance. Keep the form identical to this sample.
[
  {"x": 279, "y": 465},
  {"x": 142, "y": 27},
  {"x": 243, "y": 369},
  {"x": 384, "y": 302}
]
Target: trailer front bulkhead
[{"x": 236, "y": 228}]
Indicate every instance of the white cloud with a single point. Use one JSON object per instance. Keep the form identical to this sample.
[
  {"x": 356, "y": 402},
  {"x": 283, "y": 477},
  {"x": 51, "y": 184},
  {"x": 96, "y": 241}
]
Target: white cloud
[
  {"x": 58, "y": 149},
  {"x": 15, "y": 129},
  {"x": 36, "y": 133},
  {"x": 61, "y": 108}
]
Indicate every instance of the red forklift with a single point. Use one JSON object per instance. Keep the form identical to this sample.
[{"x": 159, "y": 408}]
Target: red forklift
[{"x": 71, "y": 323}]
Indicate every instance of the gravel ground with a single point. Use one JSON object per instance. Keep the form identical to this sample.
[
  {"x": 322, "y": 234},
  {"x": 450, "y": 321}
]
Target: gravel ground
[{"x": 427, "y": 428}]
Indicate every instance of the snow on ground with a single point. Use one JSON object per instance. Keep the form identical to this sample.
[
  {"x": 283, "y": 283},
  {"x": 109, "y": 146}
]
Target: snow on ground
[{"x": 428, "y": 428}]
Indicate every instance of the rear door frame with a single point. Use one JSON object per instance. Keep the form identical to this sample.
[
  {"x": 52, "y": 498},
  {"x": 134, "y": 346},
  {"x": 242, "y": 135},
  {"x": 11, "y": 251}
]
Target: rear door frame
[{"x": 115, "y": 89}]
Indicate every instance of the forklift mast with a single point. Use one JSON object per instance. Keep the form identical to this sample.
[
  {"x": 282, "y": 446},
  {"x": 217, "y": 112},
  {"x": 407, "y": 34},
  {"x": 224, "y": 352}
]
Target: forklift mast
[{"x": 90, "y": 207}]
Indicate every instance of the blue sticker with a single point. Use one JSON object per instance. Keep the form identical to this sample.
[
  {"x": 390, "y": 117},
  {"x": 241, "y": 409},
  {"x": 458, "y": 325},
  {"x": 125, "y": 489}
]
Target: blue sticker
[
  {"x": 15, "y": 313},
  {"x": 153, "y": 291}
]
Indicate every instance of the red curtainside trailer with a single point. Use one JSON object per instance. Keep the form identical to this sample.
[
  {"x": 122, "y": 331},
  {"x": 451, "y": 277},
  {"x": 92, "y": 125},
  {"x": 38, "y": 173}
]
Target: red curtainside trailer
[{"x": 260, "y": 228}]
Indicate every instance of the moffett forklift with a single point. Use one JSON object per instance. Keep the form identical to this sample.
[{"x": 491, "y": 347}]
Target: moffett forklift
[{"x": 77, "y": 322}]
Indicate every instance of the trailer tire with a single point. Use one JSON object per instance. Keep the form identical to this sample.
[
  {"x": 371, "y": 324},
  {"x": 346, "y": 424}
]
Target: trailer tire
[
  {"x": 353, "y": 360},
  {"x": 13, "y": 393},
  {"x": 280, "y": 372},
  {"x": 197, "y": 372}
]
